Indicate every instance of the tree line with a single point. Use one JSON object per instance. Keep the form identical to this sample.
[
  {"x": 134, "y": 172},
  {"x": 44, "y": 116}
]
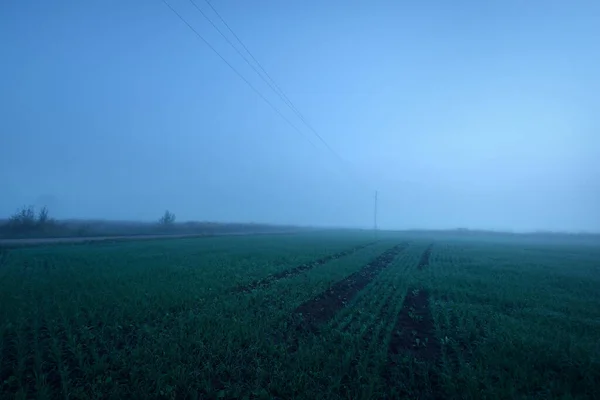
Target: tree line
[{"x": 28, "y": 221}]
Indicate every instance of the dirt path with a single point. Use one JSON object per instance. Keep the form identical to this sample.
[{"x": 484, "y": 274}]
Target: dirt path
[{"x": 38, "y": 241}]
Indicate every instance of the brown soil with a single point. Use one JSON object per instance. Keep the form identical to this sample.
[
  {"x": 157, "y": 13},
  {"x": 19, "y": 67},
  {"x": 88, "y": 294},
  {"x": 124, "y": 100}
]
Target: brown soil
[
  {"x": 323, "y": 307},
  {"x": 297, "y": 270},
  {"x": 413, "y": 336},
  {"x": 425, "y": 257},
  {"x": 414, "y": 330}
]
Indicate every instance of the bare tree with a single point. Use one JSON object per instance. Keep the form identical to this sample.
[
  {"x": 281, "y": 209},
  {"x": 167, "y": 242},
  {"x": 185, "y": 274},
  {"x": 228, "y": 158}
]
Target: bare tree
[
  {"x": 168, "y": 218},
  {"x": 23, "y": 220},
  {"x": 43, "y": 218}
]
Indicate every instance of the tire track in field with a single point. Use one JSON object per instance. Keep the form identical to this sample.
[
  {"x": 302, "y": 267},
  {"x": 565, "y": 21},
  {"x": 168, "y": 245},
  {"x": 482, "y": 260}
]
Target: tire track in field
[
  {"x": 322, "y": 308},
  {"x": 416, "y": 309},
  {"x": 297, "y": 270},
  {"x": 424, "y": 262},
  {"x": 383, "y": 305},
  {"x": 346, "y": 325},
  {"x": 414, "y": 329},
  {"x": 385, "y": 314},
  {"x": 414, "y": 335},
  {"x": 373, "y": 336}
]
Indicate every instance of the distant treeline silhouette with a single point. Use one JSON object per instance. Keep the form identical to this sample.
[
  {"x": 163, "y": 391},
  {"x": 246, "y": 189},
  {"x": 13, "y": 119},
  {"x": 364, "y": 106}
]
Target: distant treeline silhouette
[{"x": 29, "y": 223}]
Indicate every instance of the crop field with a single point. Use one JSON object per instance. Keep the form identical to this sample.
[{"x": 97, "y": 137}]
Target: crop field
[{"x": 320, "y": 315}]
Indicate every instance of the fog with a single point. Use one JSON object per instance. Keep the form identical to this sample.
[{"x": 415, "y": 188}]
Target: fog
[{"x": 470, "y": 114}]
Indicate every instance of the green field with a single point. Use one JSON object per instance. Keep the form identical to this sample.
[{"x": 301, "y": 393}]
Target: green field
[{"x": 325, "y": 315}]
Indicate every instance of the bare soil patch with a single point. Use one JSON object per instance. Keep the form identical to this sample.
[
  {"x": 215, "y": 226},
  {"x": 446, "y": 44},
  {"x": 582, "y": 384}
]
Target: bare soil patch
[
  {"x": 414, "y": 330},
  {"x": 424, "y": 261},
  {"x": 414, "y": 354}
]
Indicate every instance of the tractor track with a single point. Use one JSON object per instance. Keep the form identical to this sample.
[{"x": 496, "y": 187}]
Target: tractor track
[
  {"x": 414, "y": 329},
  {"x": 322, "y": 308},
  {"x": 413, "y": 336},
  {"x": 386, "y": 310},
  {"x": 297, "y": 270},
  {"x": 424, "y": 262}
]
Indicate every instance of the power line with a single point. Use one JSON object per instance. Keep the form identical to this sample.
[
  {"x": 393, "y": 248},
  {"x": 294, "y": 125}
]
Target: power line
[
  {"x": 264, "y": 75},
  {"x": 232, "y": 45},
  {"x": 238, "y": 73},
  {"x": 245, "y": 48},
  {"x": 272, "y": 84}
]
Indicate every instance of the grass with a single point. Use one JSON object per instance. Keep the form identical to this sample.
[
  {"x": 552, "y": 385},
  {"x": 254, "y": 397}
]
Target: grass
[{"x": 448, "y": 317}]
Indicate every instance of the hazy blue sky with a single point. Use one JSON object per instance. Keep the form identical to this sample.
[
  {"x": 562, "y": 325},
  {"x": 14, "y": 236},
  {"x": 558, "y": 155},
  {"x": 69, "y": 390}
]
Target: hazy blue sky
[{"x": 481, "y": 114}]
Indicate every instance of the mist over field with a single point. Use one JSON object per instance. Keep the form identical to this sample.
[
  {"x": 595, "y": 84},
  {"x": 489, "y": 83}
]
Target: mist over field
[
  {"x": 311, "y": 200},
  {"x": 480, "y": 115}
]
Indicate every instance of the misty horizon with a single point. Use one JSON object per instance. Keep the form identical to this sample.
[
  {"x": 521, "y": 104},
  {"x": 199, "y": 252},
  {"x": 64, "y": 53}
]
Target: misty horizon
[{"x": 470, "y": 115}]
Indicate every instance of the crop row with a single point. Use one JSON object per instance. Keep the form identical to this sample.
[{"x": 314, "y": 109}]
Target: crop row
[{"x": 91, "y": 346}]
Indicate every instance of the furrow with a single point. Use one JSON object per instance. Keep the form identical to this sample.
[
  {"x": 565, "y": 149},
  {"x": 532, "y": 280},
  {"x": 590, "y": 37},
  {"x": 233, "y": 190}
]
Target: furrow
[
  {"x": 413, "y": 350},
  {"x": 297, "y": 270},
  {"x": 323, "y": 307},
  {"x": 424, "y": 262}
]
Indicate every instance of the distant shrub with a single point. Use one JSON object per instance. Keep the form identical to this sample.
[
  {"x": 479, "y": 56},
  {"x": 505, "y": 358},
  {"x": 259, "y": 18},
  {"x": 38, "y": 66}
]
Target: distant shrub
[
  {"x": 26, "y": 221},
  {"x": 43, "y": 216},
  {"x": 23, "y": 220},
  {"x": 168, "y": 218}
]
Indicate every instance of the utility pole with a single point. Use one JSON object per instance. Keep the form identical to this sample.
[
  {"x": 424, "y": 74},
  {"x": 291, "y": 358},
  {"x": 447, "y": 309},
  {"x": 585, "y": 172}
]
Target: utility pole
[{"x": 375, "y": 214}]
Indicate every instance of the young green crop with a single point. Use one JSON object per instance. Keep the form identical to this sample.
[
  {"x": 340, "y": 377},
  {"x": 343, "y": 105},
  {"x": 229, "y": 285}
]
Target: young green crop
[{"x": 160, "y": 319}]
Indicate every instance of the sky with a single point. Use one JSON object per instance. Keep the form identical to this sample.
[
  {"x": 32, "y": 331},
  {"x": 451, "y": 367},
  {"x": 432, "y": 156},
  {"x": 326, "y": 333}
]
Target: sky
[{"x": 481, "y": 115}]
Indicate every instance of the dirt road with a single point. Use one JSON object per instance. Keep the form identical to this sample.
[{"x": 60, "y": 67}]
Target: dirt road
[{"x": 37, "y": 241}]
